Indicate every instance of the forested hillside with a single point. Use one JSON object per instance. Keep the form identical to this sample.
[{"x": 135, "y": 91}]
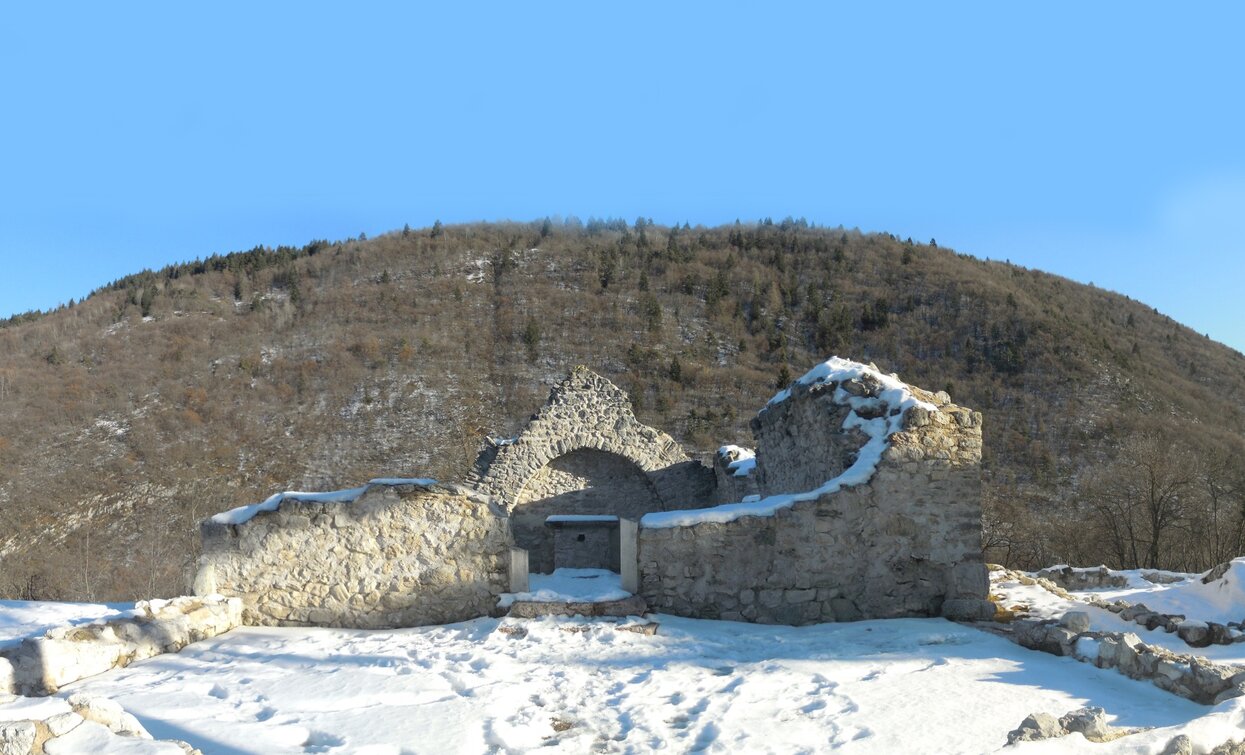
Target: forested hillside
[{"x": 1112, "y": 433}]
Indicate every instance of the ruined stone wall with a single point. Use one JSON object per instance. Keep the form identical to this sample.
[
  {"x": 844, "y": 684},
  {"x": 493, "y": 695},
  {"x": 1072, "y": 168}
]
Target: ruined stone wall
[
  {"x": 42, "y": 665},
  {"x": 585, "y": 452},
  {"x": 801, "y": 444},
  {"x": 684, "y": 485},
  {"x": 906, "y": 543},
  {"x": 586, "y": 411},
  {"x": 397, "y": 556},
  {"x": 729, "y": 486}
]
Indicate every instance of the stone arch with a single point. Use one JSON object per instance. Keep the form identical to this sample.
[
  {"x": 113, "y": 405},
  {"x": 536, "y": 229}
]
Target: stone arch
[
  {"x": 584, "y": 412},
  {"x": 585, "y": 453}
]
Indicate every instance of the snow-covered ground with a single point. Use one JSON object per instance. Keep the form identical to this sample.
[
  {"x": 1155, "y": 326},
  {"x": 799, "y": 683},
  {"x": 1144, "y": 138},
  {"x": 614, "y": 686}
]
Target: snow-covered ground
[
  {"x": 579, "y": 685},
  {"x": 909, "y": 685},
  {"x": 570, "y": 586}
]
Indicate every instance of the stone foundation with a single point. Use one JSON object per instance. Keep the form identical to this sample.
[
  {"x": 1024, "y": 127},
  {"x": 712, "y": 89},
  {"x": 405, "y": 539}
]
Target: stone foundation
[
  {"x": 1071, "y": 578},
  {"x": 42, "y": 665},
  {"x": 1189, "y": 676}
]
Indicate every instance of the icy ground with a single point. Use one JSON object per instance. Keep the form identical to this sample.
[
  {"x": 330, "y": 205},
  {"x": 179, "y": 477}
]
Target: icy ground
[{"x": 909, "y": 685}]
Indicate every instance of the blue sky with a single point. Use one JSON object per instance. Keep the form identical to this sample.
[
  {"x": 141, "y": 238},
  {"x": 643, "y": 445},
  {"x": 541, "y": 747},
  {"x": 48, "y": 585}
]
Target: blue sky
[{"x": 1100, "y": 141}]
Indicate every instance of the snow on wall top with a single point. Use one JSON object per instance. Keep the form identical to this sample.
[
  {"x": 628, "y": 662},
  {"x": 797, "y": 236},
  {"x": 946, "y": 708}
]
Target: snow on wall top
[
  {"x": 243, "y": 514},
  {"x": 894, "y": 393},
  {"x": 742, "y": 460},
  {"x": 888, "y": 408}
]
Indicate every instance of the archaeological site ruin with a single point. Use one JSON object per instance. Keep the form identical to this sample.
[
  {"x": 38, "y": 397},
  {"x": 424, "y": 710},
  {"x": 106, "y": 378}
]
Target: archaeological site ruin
[{"x": 862, "y": 499}]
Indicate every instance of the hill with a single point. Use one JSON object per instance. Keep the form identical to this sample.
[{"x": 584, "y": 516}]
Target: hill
[{"x": 1112, "y": 433}]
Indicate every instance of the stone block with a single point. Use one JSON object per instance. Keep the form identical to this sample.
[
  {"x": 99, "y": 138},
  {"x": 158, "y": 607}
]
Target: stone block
[
  {"x": 800, "y": 596},
  {"x": 845, "y": 610},
  {"x": 770, "y": 598},
  {"x": 17, "y": 737},
  {"x": 1228, "y": 694},
  {"x": 1219, "y": 634},
  {"x": 967, "y": 609},
  {"x": 1077, "y": 621},
  {"x": 1108, "y": 652},
  {"x": 62, "y": 723},
  {"x": 1196, "y": 634},
  {"x": 1089, "y": 722},
  {"x": 1171, "y": 669},
  {"x": 1059, "y": 641},
  {"x": 1035, "y": 727}
]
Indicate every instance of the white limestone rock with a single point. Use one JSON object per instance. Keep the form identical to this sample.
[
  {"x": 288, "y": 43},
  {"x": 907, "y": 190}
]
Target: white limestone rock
[
  {"x": 1036, "y": 726},
  {"x": 17, "y": 737},
  {"x": 108, "y": 713},
  {"x": 1077, "y": 621},
  {"x": 63, "y": 723}
]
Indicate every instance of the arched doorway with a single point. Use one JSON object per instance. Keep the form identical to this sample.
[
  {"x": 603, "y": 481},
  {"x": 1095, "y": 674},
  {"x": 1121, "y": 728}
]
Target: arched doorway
[{"x": 585, "y": 492}]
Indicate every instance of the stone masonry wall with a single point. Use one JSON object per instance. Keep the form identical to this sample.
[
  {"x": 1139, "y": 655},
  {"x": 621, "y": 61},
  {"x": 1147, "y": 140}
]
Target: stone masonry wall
[
  {"x": 801, "y": 444},
  {"x": 585, "y": 452},
  {"x": 730, "y": 487},
  {"x": 586, "y": 545},
  {"x": 397, "y": 556},
  {"x": 907, "y": 543}
]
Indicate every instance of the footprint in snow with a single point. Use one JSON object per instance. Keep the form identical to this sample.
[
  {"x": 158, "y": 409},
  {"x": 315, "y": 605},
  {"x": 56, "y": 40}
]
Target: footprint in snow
[
  {"x": 707, "y": 736},
  {"x": 851, "y": 734},
  {"x": 457, "y": 684},
  {"x": 813, "y": 707},
  {"x": 322, "y": 741},
  {"x": 724, "y": 671},
  {"x": 218, "y": 692}
]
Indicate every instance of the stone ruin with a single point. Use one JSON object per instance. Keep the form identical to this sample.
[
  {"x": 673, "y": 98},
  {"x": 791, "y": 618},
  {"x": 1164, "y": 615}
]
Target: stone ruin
[{"x": 863, "y": 501}]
